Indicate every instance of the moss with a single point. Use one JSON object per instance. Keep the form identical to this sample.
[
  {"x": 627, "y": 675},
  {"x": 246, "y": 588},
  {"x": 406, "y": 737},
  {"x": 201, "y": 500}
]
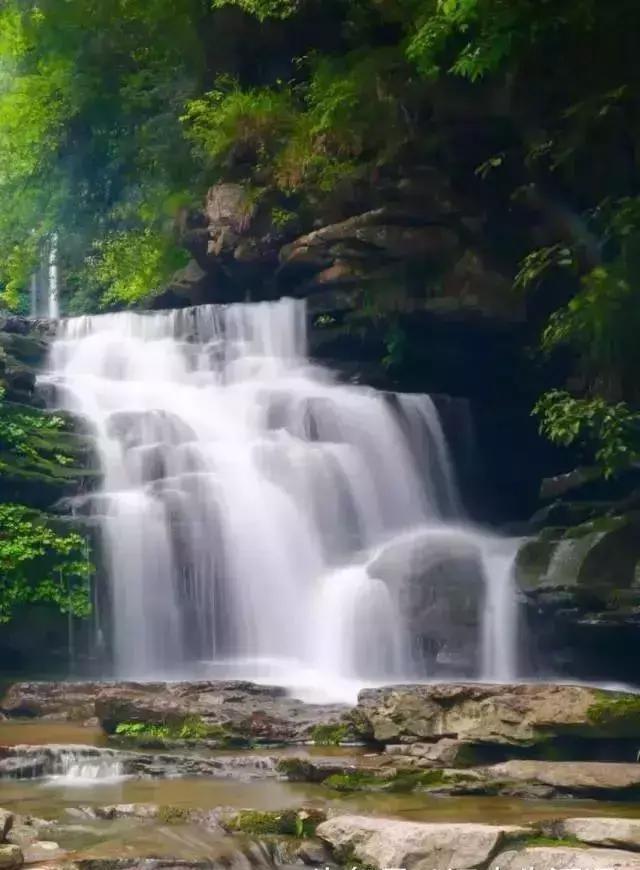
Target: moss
[
  {"x": 297, "y": 770},
  {"x": 190, "y": 728},
  {"x": 356, "y": 781},
  {"x": 330, "y": 735},
  {"x": 618, "y": 715},
  {"x": 294, "y": 823},
  {"x": 402, "y": 781},
  {"x": 170, "y": 815}
]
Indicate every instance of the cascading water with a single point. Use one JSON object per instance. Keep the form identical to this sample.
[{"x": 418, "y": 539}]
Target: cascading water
[{"x": 248, "y": 497}]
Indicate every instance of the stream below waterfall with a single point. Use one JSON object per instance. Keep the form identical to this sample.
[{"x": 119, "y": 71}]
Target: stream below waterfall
[{"x": 260, "y": 520}]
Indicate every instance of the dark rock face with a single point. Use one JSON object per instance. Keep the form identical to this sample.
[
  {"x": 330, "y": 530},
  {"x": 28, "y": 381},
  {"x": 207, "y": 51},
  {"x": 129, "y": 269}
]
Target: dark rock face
[{"x": 580, "y": 593}]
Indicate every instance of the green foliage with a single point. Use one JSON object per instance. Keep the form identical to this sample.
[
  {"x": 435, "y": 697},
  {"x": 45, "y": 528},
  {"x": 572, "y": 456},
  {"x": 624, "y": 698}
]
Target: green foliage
[
  {"x": 90, "y": 99},
  {"x": 190, "y": 728},
  {"x": 611, "y": 432},
  {"x": 262, "y": 9},
  {"x": 229, "y": 118},
  {"x": 329, "y": 735},
  {"x": 40, "y": 565},
  {"x": 134, "y": 266},
  {"x": 18, "y": 426},
  {"x": 476, "y": 38},
  {"x": 537, "y": 265}
]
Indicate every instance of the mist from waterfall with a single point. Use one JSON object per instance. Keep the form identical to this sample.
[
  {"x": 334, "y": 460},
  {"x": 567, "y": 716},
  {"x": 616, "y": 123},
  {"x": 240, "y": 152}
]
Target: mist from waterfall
[{"x": 248, "y": 498}]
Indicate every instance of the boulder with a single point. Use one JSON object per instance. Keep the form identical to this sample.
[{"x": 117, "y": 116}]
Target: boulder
[
  {"x": 560, "y": 857},
  {"x": 390, "y": 843},
  {"x": 508, "y": 715},
  {"x": 437, "y": 577},
  {"x": 10, "y": 857},
  {"x": 42, "y": 851},
  {"x": 228, "y": 207},
  {"x": 615, "y": 833}
]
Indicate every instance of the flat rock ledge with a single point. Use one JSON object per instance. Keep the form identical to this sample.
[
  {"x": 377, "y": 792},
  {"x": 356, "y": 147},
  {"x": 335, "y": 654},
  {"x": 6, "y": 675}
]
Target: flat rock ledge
[
  {"x": 389, "y": 843},
  {"x": 520, "y": 720},
  {"x": 247, "y": 710}
]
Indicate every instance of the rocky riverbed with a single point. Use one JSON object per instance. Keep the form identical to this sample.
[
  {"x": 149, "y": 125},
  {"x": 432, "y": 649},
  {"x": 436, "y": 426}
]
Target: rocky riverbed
[{"x": 238, "y": 775}]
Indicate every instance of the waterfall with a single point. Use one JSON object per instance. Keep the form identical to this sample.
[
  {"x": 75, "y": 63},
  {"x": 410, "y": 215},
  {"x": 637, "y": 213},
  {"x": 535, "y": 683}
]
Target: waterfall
[
  {"x": 247, "y": 495},
  {"x": 45, "y": 282}
]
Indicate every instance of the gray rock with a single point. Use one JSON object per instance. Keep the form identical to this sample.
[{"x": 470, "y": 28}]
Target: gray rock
[
  {"x": 443, "y": 753},
  {"x": 412, "y": 845},
  {"x": 42, "y": 851},
  {"x": 617, "y": 833},
  {"x": 561, "y": 857}
]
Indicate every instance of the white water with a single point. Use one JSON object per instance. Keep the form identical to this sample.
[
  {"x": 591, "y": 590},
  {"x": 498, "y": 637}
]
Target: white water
[
  {"x": 75, "y": 769},
  {"x": 246, "y": 492}
]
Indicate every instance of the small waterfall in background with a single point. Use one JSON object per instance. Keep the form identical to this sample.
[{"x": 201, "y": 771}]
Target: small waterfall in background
[
  {"x": 262, "y": 520},
  {"x": 45, "y": 282}
]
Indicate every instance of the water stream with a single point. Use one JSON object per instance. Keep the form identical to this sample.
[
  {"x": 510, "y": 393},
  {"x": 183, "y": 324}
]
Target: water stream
[{"x": 249, "y": 498}]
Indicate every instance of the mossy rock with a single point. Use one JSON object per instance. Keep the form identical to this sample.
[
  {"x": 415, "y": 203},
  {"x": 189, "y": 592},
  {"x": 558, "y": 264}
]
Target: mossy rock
[
  {"x": 617, "y": 716},
  {"x": 403, "y": 781},
  {"x": 179, "y": 730},
  {"x": 261, "y": 823},
  {"x": 173, "y": 815}
]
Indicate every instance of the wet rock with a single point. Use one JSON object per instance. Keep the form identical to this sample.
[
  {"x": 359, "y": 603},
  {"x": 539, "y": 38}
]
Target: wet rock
[
  {"x": 438, "y": 579},
  {"x": 560, "y": 857},
  {"x": 389, "y": 843},
  {"x": 33, "y": 762},
  {"x": 516, "y": 715},
  {"x": 615, "y": 833},
  {"x": 10, "y": 857},
  {"x": 581, "y": 596},
  {"x": 314, "y": 853},
  {"x": 600, "y": 553},
  {"x": 314, "y": 769}
]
